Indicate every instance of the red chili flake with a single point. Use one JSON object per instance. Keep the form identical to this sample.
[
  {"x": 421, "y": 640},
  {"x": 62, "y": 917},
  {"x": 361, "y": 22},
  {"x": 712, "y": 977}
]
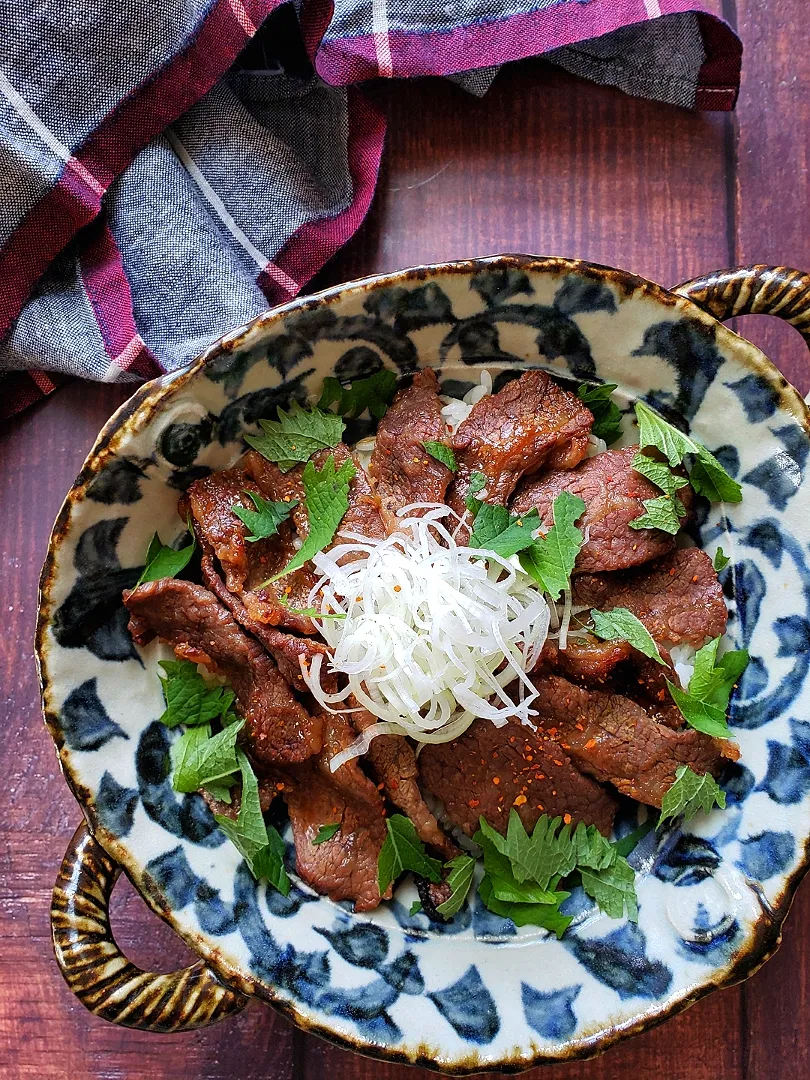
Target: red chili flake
[
  {"x": 395, "y": 784},
  {"x": 590, "y": 744},
  {"x": 694, "y": 579},
  {"x": 567, "y": 819},
  {"x": 496, "y": 779},
  {"x": 539, "y": 806},
  {"x": 380, "y": 787},
  {"x": 579, "y": 726},
  {"x": 397, "y": 588},
  {"x": 519, "y": 801},
  {"x": 279, "y": 787},
  {"x": 529, "y": 757},
  {"x": 495, "y": 753},
  {"x": 473, "y": 803}
]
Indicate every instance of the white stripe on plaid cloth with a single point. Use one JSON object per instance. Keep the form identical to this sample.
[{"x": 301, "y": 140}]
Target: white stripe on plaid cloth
[{"x": 26, "y": 113}]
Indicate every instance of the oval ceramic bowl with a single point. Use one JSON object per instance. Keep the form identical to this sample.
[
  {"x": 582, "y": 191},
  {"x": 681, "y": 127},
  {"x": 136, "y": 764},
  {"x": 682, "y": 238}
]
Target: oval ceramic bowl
[{"x": 478, "y": 993}]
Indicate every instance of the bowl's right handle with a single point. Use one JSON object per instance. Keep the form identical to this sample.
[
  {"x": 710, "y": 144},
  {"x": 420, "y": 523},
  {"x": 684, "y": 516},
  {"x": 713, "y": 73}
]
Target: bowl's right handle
[
  {"x": 754, "y": 290},
  {"x": 100, "y": 975}
]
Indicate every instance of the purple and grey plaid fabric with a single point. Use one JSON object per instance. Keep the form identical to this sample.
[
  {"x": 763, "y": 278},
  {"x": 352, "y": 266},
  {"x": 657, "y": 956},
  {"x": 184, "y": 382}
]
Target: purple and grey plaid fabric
[{"x": 161, "y": 184}]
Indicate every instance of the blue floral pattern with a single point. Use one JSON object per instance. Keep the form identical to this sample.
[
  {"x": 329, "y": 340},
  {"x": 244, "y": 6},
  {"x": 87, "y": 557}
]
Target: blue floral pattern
[{"x": 461, "y": 992}]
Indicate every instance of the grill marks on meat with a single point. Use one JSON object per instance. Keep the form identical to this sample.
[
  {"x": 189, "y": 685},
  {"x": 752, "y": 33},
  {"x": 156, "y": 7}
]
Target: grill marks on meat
[
  {"x": 489, "y": 770},
  {"x": 529, "y": 423},
  {"x": 394, "y": 763},
  {"x": 613, "y": 493},
  {"x": 192, "y": 621},
  {"x": 402, "y": 470},
  {"x": 678, "y": 598},
  {"x": 344, "y": 867},
  {"x": 247, "y": 565},
  {"x": 614, "y": 739}
]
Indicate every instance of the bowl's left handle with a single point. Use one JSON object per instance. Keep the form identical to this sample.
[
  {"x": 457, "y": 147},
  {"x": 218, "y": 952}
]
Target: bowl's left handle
[{"x": 100, "y": 975}]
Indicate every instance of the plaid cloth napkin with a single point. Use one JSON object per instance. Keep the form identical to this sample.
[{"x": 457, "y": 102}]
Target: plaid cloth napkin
[{"x": 162, "y": 184}]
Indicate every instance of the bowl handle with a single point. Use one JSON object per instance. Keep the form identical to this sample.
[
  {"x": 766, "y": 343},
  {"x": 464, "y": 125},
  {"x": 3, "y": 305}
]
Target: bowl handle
[
  {"x": 100, "y": 975},
  {"x": 754, "y": 290}
]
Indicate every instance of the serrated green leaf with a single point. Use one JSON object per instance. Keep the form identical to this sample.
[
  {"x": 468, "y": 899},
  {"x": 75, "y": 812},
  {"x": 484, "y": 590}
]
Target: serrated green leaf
[
  {"x": 689, "y": 793},
  {"x": 415, "y": 908},
  {"x": 266, "y": 518},
  {"x": 664, "y": 513},
  {"x": 720, "y": 560},
  {"x": 460, "y": 878},
  {"x": 495, "y": 529},
  {"x": 613, "y": 889},
  {"x": 189, "y": 698},
  {"x": 550, "y": 559},
  {"x": 260, "y": 845},
  {"x": 441, "y": 452},
  {"x": 477, "y": 483},
  {"x": 296, "y": 435},
  {"x": 708, "y": 477},
  {"x": 619, "y": 624},
  {"x": 163, "y": 561},
  {"x": 373, "y": 393},
  {"x": 607, "y": 417},
  {"x": 505, "y": 885},
  {"x": 545, "y": 856},
  {"x": 659, "y": 473},
  {"x": 199, "y": 760},
  {"x": 327, "y": 500},
  {"x": 545, "y": 915},
  {"x": 705, "y": 703},
  {"x": 700, "y": 715},
  {"x": 221, "y": 789},
  {"x": 326, "y": 832},
  {"x": 655, "y": 431},
  {"x": 403, "y": 851}
]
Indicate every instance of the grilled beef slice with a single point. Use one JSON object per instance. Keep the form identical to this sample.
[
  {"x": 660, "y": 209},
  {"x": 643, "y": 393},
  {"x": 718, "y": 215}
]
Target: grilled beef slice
[
  {"x": 613, "y": 493},
  {"x": 587, "y": 660},
  {"x": 401, "y": 469},
  {"x": 248, "y": 564},
  {"x": 488, "y": 770},
  {"x": 614, "y": 739},
  {"x": 678, "y": 598},
  {"x": 344, "y": 867},
  {"x": 393, "y": 762},
  {"x": 191, "y": 619},
  {"x": 529, "y": 423}
]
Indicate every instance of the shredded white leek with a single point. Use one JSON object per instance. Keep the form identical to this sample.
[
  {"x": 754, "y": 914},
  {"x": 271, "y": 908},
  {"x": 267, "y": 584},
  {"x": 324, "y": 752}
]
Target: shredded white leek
[{"x": 434, "y": 633}]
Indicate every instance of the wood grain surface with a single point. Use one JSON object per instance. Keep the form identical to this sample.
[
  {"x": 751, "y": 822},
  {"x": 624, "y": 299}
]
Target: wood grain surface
[{"x": 544, "y": 164}]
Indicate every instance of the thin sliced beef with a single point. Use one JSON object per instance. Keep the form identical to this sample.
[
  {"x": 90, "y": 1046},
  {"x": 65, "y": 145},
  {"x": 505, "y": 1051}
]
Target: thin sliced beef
[
  {"x": 402, "y": 470},
  {"x": 678, "y": 598},
  {"x": 587, "y": 660},
  {"x": 615, "y": 740},
  {"x": 344, "y": 867},
  {"x": 286, "y": 649},
  {"x": 488, "y": 770},
  {"x": 613, "y": 493},
  {"x": 248, "y": 564},
  {"x": 393, "y": 761},
  {"x": 529, "y": 423},
  {"x": 363, "y": 515},
  {"x": 194, "y": 623}
]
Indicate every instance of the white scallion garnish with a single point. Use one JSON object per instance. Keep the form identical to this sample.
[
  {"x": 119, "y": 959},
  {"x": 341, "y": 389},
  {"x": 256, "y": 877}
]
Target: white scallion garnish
[{"x": 433, "y": 634}]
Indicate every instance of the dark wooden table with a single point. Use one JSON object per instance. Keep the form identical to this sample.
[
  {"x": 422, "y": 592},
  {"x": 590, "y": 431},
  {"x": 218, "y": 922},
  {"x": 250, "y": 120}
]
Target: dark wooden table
[{"x": 543, "y": 164}]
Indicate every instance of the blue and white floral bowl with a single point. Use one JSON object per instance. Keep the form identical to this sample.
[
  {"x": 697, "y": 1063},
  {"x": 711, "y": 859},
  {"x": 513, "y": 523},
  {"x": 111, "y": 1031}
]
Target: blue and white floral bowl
[{"x": 478, "y": 993}]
